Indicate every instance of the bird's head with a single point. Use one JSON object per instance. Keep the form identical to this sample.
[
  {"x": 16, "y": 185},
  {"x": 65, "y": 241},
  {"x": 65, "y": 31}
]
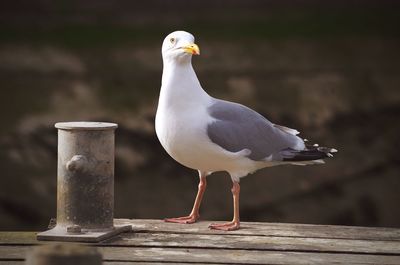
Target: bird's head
[{"x": 179, "y": 46}]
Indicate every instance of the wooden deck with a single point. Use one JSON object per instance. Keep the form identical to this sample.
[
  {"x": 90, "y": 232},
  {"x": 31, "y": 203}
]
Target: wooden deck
[{"x": 156, "y": 242}]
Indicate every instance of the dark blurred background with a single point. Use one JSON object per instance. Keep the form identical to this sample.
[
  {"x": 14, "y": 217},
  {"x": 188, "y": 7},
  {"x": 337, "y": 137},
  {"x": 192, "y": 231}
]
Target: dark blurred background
[{"x": 329, "y": 69}]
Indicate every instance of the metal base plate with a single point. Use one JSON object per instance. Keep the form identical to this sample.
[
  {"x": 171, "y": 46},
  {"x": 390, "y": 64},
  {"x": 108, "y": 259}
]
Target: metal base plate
[{"x": 60, "y": 234}]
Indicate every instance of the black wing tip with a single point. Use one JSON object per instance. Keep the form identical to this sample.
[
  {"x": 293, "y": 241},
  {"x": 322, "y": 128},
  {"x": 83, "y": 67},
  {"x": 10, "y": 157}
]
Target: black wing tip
[{"x": 311, "y": 152}]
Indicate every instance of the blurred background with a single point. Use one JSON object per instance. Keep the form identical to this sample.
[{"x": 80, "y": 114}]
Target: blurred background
[{"x": 329, "y": 69}]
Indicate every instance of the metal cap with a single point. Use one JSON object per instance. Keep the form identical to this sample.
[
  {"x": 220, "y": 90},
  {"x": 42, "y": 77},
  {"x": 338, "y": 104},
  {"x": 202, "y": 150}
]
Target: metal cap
[{"x": 85, "y": 125}]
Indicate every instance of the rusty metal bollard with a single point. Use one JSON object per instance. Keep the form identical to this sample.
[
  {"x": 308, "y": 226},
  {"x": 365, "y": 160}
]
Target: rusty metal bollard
[
  {"x": 63, "y": 254},
  {"x": 85, "y": 183}
]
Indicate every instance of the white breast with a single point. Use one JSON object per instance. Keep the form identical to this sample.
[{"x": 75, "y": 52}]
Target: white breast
[{"x": 184, "y": 136}]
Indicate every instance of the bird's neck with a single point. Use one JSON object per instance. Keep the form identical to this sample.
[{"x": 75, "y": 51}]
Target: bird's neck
[{"x": 180, "y": 86}]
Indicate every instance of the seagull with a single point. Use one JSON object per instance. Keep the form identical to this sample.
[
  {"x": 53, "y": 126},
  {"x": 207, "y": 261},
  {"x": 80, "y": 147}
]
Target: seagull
[{"x": 210, "y": 135}]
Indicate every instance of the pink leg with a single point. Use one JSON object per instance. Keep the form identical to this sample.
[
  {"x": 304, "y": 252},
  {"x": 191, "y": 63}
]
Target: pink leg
[
  {"x": 194, "y": 215},
  {"x": 235, "y": 223}
]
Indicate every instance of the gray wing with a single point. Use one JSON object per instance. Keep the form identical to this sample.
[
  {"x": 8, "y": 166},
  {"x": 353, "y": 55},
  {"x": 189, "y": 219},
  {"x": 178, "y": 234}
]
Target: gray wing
[{"x": 238, "y": 127}]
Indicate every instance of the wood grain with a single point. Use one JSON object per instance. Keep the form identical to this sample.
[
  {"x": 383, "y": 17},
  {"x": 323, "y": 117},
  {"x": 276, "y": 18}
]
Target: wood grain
[
  {"x": 256, "y": 243},
  {"x": 151, "y": 254},
  {"x": 157, "y": 242},
  {"x": 271, "y": 229}
]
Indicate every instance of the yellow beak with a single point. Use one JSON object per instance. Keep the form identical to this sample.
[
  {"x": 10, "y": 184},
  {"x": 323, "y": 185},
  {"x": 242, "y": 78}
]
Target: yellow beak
[{"x": 192, "y": 48}]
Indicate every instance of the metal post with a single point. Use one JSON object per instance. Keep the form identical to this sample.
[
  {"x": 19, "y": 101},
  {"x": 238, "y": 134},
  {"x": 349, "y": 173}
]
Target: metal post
[{"x": 85, "y": 183}]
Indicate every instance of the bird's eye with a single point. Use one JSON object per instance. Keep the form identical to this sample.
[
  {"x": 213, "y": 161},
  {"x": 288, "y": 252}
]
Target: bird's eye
[{"x": 172, "y": 40}]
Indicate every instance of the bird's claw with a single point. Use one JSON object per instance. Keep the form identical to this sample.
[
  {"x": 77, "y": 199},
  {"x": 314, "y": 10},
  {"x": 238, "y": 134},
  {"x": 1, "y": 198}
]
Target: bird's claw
[
  {"x": 182, "y": 220},
  {"x": 230, "y": 226}
]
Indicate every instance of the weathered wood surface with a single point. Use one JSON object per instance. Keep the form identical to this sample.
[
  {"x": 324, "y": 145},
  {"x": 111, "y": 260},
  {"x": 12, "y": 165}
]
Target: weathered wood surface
[
  {"x": 271, "y": 229},
  {"x": 156, "y": 242}
]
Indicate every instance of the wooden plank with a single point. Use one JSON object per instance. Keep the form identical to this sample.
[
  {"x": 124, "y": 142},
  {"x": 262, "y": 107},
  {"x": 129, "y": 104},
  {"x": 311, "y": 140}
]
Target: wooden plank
[
  {"x": 227, "y": 241},
  {"x": 18, "y": 238},
  {"x": 224, "y": 256},
  {"x": 152, "y": 263},
  {"x": 22, "y": 262},
  {"x": 255, "y": 243},
  {"x": 248, "y": 229},
  {"x": 269, "y": 229}
]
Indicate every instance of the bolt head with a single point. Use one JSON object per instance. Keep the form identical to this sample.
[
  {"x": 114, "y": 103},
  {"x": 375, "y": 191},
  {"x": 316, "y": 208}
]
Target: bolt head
[{"x": 74, "y": 229}]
